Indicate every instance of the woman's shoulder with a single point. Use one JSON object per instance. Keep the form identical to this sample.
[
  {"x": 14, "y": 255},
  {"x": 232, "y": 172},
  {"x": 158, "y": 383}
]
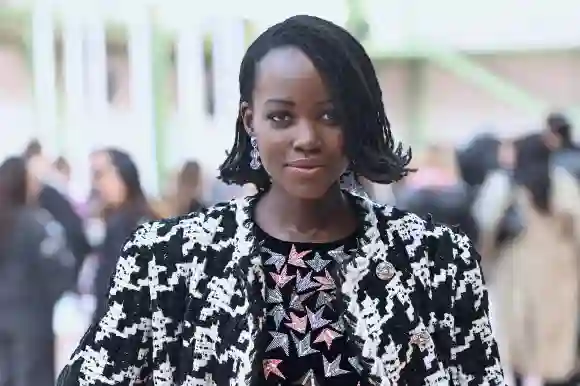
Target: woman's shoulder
[
  {"x": 418, "y": 234},
  {"x": 397, "y": 219},
  {"x": 193, "y": 229}
]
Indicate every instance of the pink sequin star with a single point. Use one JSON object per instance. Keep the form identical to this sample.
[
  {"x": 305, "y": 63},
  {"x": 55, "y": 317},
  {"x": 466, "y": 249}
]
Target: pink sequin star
[
  {"x": 297, "y": 323},
  {"x": 295, "y": 258},
  {"x": 271, "y": 367},
  {"x": 282, "y": 278},
  {"x": 327, "y": 336},
  {"x": 326, "y": 282}
]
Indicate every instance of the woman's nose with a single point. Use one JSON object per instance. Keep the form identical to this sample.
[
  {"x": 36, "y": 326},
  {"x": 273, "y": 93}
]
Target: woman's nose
[{"x": 307, "y": 138}]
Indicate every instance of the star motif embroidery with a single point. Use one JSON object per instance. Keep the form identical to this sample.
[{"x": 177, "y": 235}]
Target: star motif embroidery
[
  {"x": 305, "y": 283},
  {"x": 297, "y": 300},
  {"x": 303, "y": 347},
  {"x": 355, "y": 363},
  {"x": 333, "y": 369},
  {"x": 271, "y": 367},
  {"x": 274, "y": 296},
  {"x": 295, "y": 258},
  {"x": 282, "y": 278},
  {"x": 316, "y": 320},
  {"x": 338, "y": 325},
  {"x": 279, "y": 340},
  {"x": 338, "y": 254},
  {"x": 276, "y": 259},
  {"x": 327, "y": 336},
  {"x": 303, "y": 297},
  {"x": 324, "y": 299},
  {"x": 278, "y": 314},
  {"x": 308, "y": 379},
  {"x": 317, "y": 263},
  {"x": 302, "y": 317},
  {"x": 297, "y": 323},
  {"x": 326, "y": 282}
]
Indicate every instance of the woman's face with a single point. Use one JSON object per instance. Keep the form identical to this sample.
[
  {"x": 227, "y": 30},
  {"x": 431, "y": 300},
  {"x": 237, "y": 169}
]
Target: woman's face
[
  {"x": 293, "y": 119},
  {"x": 506, "y": 155},
  {"x": 109, "y": 184},
  {"x": 190, "y": 183},
  {"x": 552, "y": 140}
]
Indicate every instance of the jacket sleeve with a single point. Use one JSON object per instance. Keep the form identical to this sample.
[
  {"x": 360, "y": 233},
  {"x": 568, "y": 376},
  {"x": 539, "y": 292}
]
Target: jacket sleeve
[
  {"x": 474, "y": 352},
  {"x": 116, "y": 350},
  {"x": 63, "y": 212}
]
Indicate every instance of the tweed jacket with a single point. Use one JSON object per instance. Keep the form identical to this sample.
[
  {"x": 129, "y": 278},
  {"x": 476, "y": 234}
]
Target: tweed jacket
[{"x": 186, "y": 304}]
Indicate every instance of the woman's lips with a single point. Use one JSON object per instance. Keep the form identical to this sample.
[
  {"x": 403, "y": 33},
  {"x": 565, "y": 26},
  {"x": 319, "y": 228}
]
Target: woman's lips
[
  {"x": 305, "y": 163},
  {"x": 304, "y": 167}
]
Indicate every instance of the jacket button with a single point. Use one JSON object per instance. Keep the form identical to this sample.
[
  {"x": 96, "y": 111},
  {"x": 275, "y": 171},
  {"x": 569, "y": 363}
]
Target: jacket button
[
  {"x": 421, "y": 339},
  {"x": 385, "y": 270}
]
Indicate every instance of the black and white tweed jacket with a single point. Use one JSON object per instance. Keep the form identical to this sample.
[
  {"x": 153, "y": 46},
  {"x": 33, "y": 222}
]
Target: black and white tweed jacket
[{"x": 186, "y": 304}]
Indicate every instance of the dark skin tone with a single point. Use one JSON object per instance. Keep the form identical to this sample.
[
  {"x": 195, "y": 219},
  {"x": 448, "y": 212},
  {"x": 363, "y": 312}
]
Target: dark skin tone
[{"x": 301, "y": 147}]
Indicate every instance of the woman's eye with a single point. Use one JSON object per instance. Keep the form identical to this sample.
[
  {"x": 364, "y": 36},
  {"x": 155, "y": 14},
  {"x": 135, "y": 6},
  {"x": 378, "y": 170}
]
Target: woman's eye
[
  {"x": 279, "y": 117},
  {"x": 329, "y": 117}
]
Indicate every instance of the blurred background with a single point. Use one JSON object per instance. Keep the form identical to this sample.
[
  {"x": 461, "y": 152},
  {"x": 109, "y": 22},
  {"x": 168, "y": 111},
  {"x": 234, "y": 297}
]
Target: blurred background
[{"x": 94, "y": 92}]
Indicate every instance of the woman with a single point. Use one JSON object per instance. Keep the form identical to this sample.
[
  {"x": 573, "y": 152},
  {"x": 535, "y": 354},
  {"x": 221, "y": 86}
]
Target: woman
[
  {"x": 538, "y": 320},
  {"x": 56, "y": 201},
  {"x": 35, "y": 269},
  {"x": 124, "y": 207},
  {"x": 302, "y": 283},
  {"x": 189, "y": 188},
  {"x": 494, "y": 208},
  {"x": 478, "y": 158}
]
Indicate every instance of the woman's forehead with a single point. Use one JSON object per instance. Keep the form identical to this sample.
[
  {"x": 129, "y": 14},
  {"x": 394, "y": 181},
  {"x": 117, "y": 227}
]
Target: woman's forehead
[{"x": 287, "y": 73}]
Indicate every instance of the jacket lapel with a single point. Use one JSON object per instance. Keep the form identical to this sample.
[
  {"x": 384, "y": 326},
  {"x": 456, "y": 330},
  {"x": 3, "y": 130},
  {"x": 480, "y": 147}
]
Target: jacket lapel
[
  {"x": 247, "y": 260},
  {"x": 225, "y": 326},
  {"x": 368, "y": 318},
  {"x": 382, "y": 317}
]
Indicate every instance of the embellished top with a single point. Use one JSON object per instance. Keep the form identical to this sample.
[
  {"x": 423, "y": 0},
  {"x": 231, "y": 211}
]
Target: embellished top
[{"x": 304, "y": 335}]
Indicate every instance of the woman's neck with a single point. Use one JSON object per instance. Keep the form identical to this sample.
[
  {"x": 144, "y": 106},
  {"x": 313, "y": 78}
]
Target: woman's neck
[{"x": 328, "y": 218}]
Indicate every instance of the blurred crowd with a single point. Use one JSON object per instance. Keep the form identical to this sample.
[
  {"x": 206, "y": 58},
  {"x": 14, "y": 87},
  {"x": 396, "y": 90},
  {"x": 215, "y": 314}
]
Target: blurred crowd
[{"x": 517, "y": 198}]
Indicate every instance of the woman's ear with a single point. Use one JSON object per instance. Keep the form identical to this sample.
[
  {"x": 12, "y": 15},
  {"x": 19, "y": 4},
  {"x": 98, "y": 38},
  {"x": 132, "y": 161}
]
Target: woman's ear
[{"x": 247, "y": 117}]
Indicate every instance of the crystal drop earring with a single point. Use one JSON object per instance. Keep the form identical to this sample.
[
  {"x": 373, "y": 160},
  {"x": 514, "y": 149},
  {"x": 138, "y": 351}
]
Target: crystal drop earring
[{"x": 255, "y": 163}]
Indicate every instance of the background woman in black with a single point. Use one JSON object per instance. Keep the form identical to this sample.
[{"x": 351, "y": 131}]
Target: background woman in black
[
  {"x": 125, "y": 206},
  {"x": 52, "y": 196},
  {"x": 189, "y": 189},
  {"x": 35, "y": 269}
]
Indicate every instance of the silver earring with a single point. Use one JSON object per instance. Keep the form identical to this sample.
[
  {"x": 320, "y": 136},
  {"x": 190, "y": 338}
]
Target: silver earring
[{"x": 255, "y": 154}]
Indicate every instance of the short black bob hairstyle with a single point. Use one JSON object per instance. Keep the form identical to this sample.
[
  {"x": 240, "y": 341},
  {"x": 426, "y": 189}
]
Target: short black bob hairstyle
[{"x": 350, "y": 76}]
